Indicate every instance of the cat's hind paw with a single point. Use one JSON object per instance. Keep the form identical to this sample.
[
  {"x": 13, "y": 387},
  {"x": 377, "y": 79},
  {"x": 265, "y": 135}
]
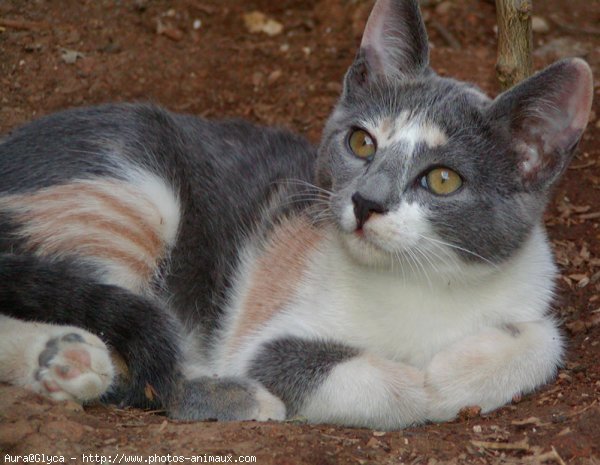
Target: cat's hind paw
[
  {"x": 226, "y": 399},
  {"x": 73, "y": 365}
]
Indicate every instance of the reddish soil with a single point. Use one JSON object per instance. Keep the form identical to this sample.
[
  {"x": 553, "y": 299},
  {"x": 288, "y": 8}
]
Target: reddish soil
[{"x": 150, "y": 50}]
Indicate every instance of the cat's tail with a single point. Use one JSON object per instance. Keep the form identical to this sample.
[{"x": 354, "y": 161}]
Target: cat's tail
[{"x": 135, "y": 328}]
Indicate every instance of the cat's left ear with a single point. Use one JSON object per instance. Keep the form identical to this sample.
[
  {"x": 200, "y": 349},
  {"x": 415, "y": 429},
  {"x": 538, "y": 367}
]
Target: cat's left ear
[
  {"x": 394, "y": 44},
  {"x": 546, "y": 115}
]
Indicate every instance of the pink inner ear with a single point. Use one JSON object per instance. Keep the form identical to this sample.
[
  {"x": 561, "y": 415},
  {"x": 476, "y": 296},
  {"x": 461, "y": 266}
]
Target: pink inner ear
[
  {"x": 373, "y": 34},
  {"x": 580, "y": 100},
  {"x": 373, "y": 40},
  {"x": 556, "y": 123}
]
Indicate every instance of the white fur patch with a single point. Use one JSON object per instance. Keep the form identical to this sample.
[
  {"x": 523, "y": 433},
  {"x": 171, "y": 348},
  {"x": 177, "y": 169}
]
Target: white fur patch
[
  {"x": 269, "y": 407},
  {"x": 385, "y": 237},
  {"x": 406, "y": 130},
  {"x": 489, "y": 368},
  {"x": 399, "y": 229},
  {"x": 369, "y": 391}
]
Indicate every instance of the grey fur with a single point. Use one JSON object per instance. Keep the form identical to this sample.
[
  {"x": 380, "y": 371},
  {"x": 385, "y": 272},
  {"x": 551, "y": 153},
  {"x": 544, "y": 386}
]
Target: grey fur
[
  {"x": 72, "y": 337},
  {"x": 48, "y": 353},
  {"x": 292, "y": 368},
  {"x": 214, "y": 399}
]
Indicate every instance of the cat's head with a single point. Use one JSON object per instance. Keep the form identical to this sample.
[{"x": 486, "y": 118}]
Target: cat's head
[{"x": 422, "y": 166}]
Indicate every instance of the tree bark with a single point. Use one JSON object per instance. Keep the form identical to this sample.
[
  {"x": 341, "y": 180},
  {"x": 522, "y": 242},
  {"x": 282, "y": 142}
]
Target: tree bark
[{"x": 515, "y": 40}]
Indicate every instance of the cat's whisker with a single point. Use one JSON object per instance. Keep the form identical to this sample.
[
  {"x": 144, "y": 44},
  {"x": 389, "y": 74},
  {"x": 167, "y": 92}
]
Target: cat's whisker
[
  {"x": 435, "y": 268},
  {"x": 309, "y": 198},
  {"x": 301, "y": 182},
  {"x": 462, "y": 249},
  {"x": 422, "y": 267},
  {"x": 313, "y": 199},
  {"x": 448, "y": 259},
  {"x": 411, "y": 261},
  {"x": 312, "y": 202},
  {"x": 309, "y": 195},
  {"x": 317, "y": 215}
]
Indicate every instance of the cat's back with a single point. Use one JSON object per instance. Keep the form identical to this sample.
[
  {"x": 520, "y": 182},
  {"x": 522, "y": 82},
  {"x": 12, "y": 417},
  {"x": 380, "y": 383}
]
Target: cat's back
[
  {"x": 147, "y": 193},
  {"x": 74, "y": 144},
  {"x": 105, "y": 139}
]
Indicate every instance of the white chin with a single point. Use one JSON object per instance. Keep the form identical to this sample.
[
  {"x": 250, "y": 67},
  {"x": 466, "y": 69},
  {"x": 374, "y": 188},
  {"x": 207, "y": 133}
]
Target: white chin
[{"x": 364, "y": 251}]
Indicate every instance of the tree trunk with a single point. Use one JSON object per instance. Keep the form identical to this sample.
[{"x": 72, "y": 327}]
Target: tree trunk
[{"x": 514, "y": 41}]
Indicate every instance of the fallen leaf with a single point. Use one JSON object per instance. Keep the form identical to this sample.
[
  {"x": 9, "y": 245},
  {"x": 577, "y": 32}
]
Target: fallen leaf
[
  {"x": 169, "y": 31},
  {"x": 70, "y": 56},
  {"x": 257, "y": 22},
  {"x": 373, "y": 443},
  {"x": 472, "y": 411},
  {"x": 149, "y": 392},
  {"x": 576, "y": 327},
  {"x": 531, "y": 421},
  {"x": 519, "y": 445},
  {"x": 592, "y": 321}
]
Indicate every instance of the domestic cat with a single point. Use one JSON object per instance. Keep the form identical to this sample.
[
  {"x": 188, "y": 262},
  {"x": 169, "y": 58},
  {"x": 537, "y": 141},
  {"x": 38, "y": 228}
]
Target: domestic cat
[{"x": 393, "y": 276}]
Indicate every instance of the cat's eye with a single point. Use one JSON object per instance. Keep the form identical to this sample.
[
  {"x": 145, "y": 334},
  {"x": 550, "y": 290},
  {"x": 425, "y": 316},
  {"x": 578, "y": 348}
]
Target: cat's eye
[
  {"x": 362, "y": 144},
  {"x": 442, "y": 181}
]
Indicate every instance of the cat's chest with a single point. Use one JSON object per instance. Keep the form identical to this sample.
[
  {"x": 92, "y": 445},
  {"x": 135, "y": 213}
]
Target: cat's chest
[
  {"x": 407, "y": 318},
  {"x": 320, "y": 292},
  {"x": 398, "y": 320}
]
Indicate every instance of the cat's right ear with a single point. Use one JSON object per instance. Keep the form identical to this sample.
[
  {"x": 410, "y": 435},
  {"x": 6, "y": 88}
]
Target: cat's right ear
[
  {"x": 545, "y": 116},
  {"x": 394, "y": 45}
]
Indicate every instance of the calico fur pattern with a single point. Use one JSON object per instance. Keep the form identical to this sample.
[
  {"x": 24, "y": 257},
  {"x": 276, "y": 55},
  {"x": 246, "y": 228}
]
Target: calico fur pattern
[{"x": 218, "y": 269}]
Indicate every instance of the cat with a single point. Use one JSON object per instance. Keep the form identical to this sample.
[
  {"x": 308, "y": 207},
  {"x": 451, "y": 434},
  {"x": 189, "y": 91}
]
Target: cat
[{"x": 392, "y": 276}]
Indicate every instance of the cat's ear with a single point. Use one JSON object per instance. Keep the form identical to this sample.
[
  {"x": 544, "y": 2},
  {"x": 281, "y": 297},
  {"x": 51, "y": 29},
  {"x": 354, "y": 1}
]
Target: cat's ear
[
  {"x": 546, "y": 116},
  {"x": 394, "y": 44}
]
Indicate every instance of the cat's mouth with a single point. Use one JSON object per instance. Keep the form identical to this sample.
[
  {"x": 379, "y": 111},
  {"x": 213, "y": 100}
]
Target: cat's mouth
[
  {"x": 363, "y": 249},
  {"x": 368, "y": 245}
]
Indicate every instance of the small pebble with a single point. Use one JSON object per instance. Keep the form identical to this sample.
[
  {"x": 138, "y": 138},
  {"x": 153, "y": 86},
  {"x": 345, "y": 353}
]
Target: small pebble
[
  {"x": 274, "y": 76},
  {"x": 443, "y": 8},
  {"x": 539, "y": 25}
]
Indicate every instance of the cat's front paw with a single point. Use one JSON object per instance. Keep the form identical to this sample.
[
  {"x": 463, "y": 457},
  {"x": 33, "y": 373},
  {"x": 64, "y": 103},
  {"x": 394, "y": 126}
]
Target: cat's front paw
[
  {"x": 464, "y": 375},
  {"x": 489, "y": 368},
  {"x": 73, "y": 365}
]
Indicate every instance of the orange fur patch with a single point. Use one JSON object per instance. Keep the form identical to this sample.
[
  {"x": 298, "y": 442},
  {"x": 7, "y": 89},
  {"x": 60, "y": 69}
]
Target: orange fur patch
[
  {"x": 276, "y": 275},
  {"x": 107, "y": 220}
]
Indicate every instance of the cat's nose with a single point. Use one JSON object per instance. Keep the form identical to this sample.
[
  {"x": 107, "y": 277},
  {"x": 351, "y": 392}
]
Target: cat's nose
[{"x": 364, "y": 208}]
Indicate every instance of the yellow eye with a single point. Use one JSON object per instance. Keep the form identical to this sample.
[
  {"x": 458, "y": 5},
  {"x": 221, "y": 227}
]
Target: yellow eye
[
  {"x": 442, "y": 181},
  {"x": 362, "y": 144}
]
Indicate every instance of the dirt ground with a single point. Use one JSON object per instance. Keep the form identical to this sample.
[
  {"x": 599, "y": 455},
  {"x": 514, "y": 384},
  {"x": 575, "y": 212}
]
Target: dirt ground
[{"x": 198, "y": 56}]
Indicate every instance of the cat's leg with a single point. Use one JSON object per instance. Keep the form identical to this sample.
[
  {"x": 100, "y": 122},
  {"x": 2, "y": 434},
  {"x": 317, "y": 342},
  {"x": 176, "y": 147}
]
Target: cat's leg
[
  {"x": 139, "y": 329},
  {"x": 329, "y": 382},
  {"x": 489, "y": 368},
  {"x": 143, "y": 332},
  {"x": 62, "y": 362},
  {"x": 208, "y": 397}
]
